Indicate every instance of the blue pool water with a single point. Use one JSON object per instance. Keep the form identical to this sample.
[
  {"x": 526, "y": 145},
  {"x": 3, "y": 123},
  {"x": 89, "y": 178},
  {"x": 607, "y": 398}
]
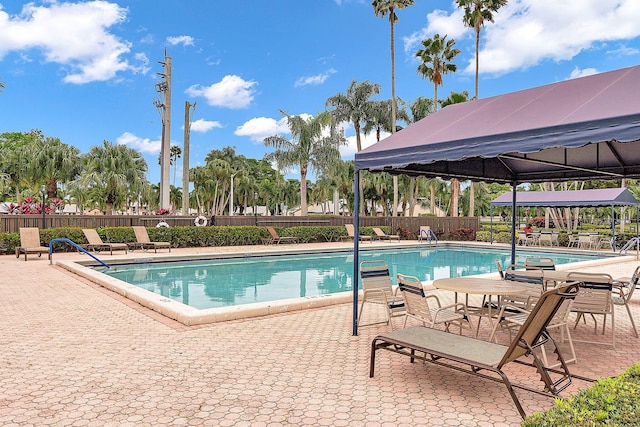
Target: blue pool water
[{"x": 235, "y": 281}]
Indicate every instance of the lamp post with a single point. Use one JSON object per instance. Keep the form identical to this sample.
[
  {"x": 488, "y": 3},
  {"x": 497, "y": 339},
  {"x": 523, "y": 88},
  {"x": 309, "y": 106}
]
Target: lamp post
[
  {"x": 255, "y": 212},
  {"x": 43, "y": 189}
]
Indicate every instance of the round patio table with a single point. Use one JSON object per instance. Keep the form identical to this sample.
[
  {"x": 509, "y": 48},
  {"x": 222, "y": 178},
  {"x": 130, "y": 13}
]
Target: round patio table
[{"x": 480, "y": 286}]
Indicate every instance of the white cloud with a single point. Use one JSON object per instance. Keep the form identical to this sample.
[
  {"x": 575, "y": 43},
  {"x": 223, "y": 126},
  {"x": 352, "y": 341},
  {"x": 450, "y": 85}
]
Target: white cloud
[
  {"x": 231, "y": 92},
  {"x": 258, "y": 128},
  {"x": 348, "y": 151},
  {"x": 204, "y": 126},
  {"x": 144, "y": 145},
  {"x": 624, "y": 51},
  {"x": 73, "y": 35},
  {"x": 314, "y": 80},
  {"x": 438, "y": 22},
  {"x": 527, "y": 32},
  {"x": 183, "y": 40},
  {"x": 577, "y": 72}
]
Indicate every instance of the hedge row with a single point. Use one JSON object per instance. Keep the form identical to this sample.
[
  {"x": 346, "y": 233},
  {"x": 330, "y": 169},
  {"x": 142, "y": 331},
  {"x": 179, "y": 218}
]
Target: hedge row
[
  {"x": 608, "y": 402},
  {"x": 183, "y": 237}
]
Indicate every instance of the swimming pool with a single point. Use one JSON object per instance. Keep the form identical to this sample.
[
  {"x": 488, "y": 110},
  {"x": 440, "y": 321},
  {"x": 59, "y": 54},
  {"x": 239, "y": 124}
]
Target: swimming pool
[
  {"x": 249, "y": 277},
  {"x": 213, "y": 283}
]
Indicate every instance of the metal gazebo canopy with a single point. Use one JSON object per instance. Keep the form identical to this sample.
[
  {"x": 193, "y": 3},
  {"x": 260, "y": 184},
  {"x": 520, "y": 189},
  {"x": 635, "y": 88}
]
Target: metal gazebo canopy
[
  {"x": 580, "y": 129},
  {"x": 577, "y": 198}
]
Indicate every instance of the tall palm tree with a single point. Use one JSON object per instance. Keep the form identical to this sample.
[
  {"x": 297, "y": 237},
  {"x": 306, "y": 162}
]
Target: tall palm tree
[
  {"x": 308, "y": 147},
  {"x": 383, "y": 8},
  {"x": 113, "y": 170},
  {"x": 436, "y": 56},
  {"x": 476, "y": 13},
  {"x": 354, "y": 107}
]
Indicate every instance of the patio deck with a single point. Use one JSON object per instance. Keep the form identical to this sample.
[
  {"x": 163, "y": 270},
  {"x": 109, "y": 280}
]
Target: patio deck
[{"x": 74, "y": 353}]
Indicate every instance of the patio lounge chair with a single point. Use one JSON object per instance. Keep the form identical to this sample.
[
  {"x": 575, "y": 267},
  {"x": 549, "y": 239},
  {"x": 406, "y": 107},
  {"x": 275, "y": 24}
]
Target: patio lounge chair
[
  {"x": 351, "y": 234},
  {"x": 30, "y": 243},
  {"x": 377, "y": 289},
  {"x": 275, "y": 238},
  {"x": 381, "y": 235},
  {"x": 143, "y": 241},
  {"x": 474, "y": 356},
  {"x": 96, "y": 243},
  {"x": 519, "y": 315}
]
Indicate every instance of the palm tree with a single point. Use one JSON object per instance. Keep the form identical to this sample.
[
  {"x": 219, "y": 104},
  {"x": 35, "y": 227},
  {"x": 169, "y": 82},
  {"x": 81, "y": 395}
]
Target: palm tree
[
  {"x": 354, "y": 107},
  {"x": 15, "y": 147},
  {"x": 308, "y": 148},
  {"x": 175, "y": 153},
  {"x": 436, "y": 56},
  {"x": 113, "y": 170},
  {"x": 52, "y": 161},
  {"x": 384, "y": 8},
  {"x": 455, "y": 98},
  {"x": 476, "y": 12},
  {"x": 342, "y": 176}
]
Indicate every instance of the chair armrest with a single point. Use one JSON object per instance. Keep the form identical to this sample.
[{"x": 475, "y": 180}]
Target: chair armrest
[
  {"x": 434, "y": 297},
  {"x": 453, "y": 306},
  {"x": 509, "y": 306}
]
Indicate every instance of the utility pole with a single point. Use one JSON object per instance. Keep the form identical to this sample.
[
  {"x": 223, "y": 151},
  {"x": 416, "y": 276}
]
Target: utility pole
[
  {"x": 165, "y": 148},
  {"x": 188, "y": 109}
]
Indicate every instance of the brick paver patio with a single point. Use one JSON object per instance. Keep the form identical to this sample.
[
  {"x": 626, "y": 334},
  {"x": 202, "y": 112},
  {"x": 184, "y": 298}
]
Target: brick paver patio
[{"x": 73, "y": 353}]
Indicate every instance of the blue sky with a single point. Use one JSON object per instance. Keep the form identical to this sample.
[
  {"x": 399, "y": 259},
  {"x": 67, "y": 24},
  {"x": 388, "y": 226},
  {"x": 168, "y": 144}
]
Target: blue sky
[{"x": 86, "y": 71}]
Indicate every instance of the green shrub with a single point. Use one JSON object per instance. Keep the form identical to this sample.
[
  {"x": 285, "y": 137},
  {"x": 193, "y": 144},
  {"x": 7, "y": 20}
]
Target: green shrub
[
  {"x": 183, "y": 237},
  {"x": 608, "y": 402}
]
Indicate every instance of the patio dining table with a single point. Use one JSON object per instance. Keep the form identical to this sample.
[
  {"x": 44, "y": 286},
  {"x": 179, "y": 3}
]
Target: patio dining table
[{"x": 480, "y": 286}]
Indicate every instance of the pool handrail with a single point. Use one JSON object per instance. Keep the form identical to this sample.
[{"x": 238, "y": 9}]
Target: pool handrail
[
  {"x": 429, "y": 235},
  {"x": 75, "y": 245},
  {"x": 632, "y": 242}
]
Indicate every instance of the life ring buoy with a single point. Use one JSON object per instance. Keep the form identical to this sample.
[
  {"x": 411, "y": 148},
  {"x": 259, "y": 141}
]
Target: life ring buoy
[
  {"x": 162, "y": 224},
  {"x": 200, "y": 221}
]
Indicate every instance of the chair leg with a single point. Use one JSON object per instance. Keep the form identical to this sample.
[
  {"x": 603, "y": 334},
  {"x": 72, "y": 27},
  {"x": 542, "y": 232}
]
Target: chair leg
[
  {"x": 361, "y": 310},
  {"x": 635, "y": 331}
]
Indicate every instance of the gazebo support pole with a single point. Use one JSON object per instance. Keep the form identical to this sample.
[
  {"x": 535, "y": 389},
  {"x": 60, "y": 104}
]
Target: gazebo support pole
[
  {"x": 356, "y": 242},
  {"x": 613, "y": 228},
  {"x": 513, "y": 222},
  {"x": 491, "y": 224}
]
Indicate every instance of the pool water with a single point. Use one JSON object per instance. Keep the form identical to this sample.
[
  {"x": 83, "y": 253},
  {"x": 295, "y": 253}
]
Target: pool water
[{"x": 235, "y": 281}]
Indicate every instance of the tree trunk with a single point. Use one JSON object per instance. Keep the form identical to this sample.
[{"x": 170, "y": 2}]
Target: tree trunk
[
  {"x": 472, "y": 199},
  {"x": 303, "y": 190},
  {"x": 455, "y": 195}
]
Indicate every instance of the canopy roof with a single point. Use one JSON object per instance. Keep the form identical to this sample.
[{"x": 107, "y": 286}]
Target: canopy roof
[
  {"x": 585, "y": 128},
  {"x": 599, "y": 197}
]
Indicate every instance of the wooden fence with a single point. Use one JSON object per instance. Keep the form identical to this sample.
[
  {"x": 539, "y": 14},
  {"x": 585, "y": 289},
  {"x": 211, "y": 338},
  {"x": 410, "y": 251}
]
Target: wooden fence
[{"x": 441, "y": 225}]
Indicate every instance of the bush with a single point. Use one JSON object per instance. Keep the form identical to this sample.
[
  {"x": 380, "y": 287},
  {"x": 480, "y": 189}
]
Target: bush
[
  {"x": 460, "y": 234},
  {"x": 183, "y": 237},
  {"x": 610, "y": 401}
]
